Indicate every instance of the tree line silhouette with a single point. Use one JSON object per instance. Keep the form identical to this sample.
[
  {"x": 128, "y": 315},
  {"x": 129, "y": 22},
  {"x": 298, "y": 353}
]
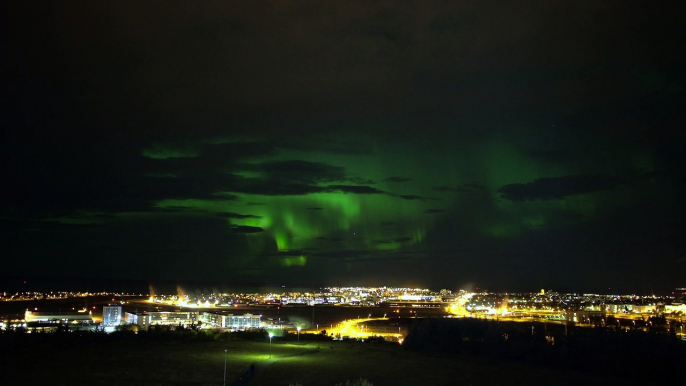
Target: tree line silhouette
[{"x": 651, "y": 355}]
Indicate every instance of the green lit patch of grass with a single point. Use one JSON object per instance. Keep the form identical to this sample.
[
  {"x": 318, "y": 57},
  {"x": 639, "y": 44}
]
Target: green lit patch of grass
[
  {"x": 141, "y": 362},
  {"x": 388, "y": 364},
  {"x": 134, "y": 363}
]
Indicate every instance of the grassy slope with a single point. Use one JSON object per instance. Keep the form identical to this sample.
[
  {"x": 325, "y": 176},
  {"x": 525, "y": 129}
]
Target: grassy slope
[
  {"x": 387, "y": 364},
  {"x": 201, "y": 363}
]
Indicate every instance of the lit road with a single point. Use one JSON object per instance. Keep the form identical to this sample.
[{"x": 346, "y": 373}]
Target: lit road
[{"x": 356, "y": 328}]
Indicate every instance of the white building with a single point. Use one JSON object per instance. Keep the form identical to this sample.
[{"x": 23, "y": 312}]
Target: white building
[
  {"x": 111, "y": 315},
  {"x": 163, "y": 318},
  {"x": 240, "y": 322}
]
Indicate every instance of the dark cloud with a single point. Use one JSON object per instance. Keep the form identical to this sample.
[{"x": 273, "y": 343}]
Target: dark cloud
[
  {"x": 397, "y": 179},
  {"x": 466, "y": 188},
  {"x": 353, "y": 189},
  {"x": 556, "y": 188},
  {"x": 344, "y": 254},
  {"x": 431, "y": 211},
  {"x": 246, "y": 229},
  {"x": 226, "y": 196},
  {"x": 236, "y": 215},
  {"x": 395, "y": 240},
  {"x": 267, "y": 187},
  {"x": 298, "y": 171},
  {"x": 36, "y": 225},
  {"x": 293, "y": 177},
  {"x": 410, "y": 197},
  {"x": 331, "y": 239},
  {"x": 291, "y": 253}
]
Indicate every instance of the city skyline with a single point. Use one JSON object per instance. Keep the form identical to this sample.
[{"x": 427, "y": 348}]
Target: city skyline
[{"x": 438, "y": 145}]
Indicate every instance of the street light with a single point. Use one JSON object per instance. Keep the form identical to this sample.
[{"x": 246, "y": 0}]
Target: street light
[
  {"x": 299, "y": 333},
  {"x": 225, "y": 350},
  {"x": 270, "y": 345}
]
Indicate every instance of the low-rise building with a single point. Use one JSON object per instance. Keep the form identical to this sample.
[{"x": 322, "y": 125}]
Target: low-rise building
[
  {"x": 163, "y": 318},
  {"x": 111, "y": 315},
  {"x": 239, "y": 322},
  {"x": 54, "y": 320}
]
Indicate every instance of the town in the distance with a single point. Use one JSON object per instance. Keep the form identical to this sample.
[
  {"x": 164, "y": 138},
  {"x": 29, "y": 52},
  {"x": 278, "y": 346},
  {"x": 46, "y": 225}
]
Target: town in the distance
[{"x": 337, "y": 312}]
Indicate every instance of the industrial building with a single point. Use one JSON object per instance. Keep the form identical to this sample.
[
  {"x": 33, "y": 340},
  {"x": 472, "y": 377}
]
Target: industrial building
[{"x": 52, "y": 321}]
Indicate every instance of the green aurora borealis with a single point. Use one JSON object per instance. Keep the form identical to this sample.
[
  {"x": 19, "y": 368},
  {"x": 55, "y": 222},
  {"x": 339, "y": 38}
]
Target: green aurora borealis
[{"x": 438, "y": 145}]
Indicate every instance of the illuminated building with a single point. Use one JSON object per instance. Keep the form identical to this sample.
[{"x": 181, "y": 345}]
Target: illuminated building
[
  {"x": 243, "y": 321},
  {"x": 52, "y": 321},
  {"x": 240, "y": 322},
  {"x": 163, "y": 318},
  {"x": 55, "y": 317},
  {"x": 679, "y": 296},
  {"x": 111, "y": 315}
]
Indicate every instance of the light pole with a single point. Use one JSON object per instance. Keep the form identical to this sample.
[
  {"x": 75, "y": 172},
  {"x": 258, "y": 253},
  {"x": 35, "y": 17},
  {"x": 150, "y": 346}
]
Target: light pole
[
  {"x": 270, "y": 345},
  {"x": 299, "y": 334},
  {"x": 225, "y": 350}
]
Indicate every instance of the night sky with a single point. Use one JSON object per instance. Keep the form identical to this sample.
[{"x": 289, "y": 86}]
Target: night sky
[{"x": 511, "y": 145}]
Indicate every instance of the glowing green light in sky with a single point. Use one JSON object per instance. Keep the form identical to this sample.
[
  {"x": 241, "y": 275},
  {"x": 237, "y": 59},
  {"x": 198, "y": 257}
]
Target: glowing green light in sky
[
  {"x": 295, "y": 261},
  {"x": 281, "y": 241},
  {"x": 404, "y": 210}
]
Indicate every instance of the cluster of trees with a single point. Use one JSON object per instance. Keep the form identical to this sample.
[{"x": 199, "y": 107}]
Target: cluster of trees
[
  {"x": 631, "y": 353},
  {"x": 11, "y": 339},
  {"x": 357, "y": 382},
  {"x": 20, "y": 337}
]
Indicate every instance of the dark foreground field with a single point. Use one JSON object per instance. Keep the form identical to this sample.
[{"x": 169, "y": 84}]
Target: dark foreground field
[{"x": 68, "y": 359}]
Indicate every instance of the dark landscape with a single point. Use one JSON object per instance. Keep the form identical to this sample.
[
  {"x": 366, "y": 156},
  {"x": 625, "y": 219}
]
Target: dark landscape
[
  {"x": 353, "y": 193},
  {"x": 190, "y": 358}
]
